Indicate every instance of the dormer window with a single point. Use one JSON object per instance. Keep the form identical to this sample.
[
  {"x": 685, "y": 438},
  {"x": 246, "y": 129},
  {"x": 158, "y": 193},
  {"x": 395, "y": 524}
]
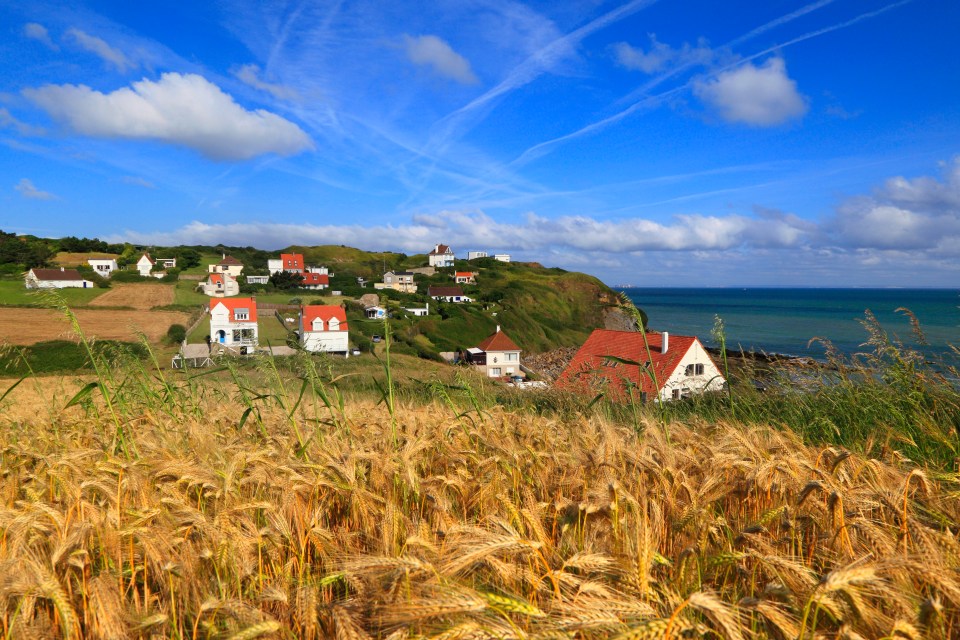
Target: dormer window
[{"x": 241, "y": 314}]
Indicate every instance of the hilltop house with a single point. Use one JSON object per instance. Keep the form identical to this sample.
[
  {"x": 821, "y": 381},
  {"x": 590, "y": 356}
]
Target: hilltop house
[
  {"x": 401, "y": 281},
  {"x": 448, "y": 294},
  {"x": 146, "y": 264},
  {"x": 289, "y": 262},
  {"x": 473, "y": 255},
  {"x": 103, "y": 267},
  {"x": 55, "y": 279},
  {"x": 375, "y": 313},
  {"x": 220, "y": 285},
  {"x": 420, "y": 312},
  {"x": 465, "y": 277},
  {"x": 497, "y": 357},
  {"x": 324, "y": 328},
  {"x": 233, "y": 321},
  {"x": 441, "y": 256},
  {"x": 502, "y": 257},
  {"x": 228, "y": 264},
  {"x": 674, "y": 367}
]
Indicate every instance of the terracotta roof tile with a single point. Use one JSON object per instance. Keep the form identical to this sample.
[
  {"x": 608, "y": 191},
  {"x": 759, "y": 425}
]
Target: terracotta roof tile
[
  {"x": 232, "y": 304},
  {"x": 498, "y": 342},
  {"x": 57, "y": 274},
  {"x": 311, "y": 312}
]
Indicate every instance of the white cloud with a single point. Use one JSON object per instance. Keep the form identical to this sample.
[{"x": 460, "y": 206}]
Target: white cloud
[
  {"x": 182, "y": 109},
  {"x": 39, "y": 33},
  {"x": 28, "y": 190},
  {"x": 922, "y": 214},
  {"x": 99, "y": 47},
  {"x": 533, "y": 234},
  {"x": 659, "y": 55},
  {"x": 250, "y": 74},
  {"x": 434, "y": 52},
  {"x": 762, "y": 96},
  {"x": 8, "y": 121}
]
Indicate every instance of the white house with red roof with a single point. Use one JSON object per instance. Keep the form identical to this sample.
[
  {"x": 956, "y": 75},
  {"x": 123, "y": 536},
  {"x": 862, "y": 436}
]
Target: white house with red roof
[
  {"x": 317, "y": 281},
  {"x": 289, "y": 262},
  {"x": 498, "y": 356},
  {"x": 323, "y": 327},
  {"x": 233, "y": 321},
  {"x": 668, "y": 366},
  {"x": 221, "y": 285},
  {"x": 465, "y": 277},
  {"x": 441, "y": 256},
  {"x": 55, "y": 279}
]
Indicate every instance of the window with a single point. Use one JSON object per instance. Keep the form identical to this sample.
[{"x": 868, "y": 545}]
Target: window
[
  {"x": 495, "y": 372},
  {"x": 513, "y": 357},
  {"x": 241, "y": 314},
  {"x": 694, "y": 370},
  {"x": 675, "y": 394}
]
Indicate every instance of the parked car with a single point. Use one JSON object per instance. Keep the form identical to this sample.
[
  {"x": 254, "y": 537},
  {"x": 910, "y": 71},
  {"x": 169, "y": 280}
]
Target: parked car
[
  {"x": 376, "y": 338},
  {"x": 355, "y": 352}
]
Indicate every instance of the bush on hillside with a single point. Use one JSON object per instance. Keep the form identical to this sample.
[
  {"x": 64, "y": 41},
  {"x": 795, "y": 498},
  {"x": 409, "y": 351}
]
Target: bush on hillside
[{"x": 177, "y": 333}]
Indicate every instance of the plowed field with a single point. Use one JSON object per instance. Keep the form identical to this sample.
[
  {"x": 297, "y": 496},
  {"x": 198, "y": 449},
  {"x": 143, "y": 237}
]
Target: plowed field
[
  {"x": 138, "y": 296},
  {"x": 28, "y": 326}
]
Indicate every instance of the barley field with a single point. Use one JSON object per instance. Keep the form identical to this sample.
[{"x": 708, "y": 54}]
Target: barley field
[
  {"x": 24, "y": 326},
  {"x": 266, "y": 503},
  {"x": 137, "y": 296}
]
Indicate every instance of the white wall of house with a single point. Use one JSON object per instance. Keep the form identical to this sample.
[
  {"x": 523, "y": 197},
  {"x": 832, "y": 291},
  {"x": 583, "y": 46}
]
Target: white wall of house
[
  {"x": 230, "y": 287},
  {"x": 441, "y": 260},
  {"x": 473, "y": 255},
  {"x": 144, "y": 266},
  {"x": 31, "y": 282},
  {"x": 103, "y": 268},
  {"x": 234, "y": 269},
  {"x": 329, "y": 338},
  {"x": 502, "y": 257},
  {"x": 239, "y": 332},
  {"x": 275, "y": 266},
  {"x": 258, "y": 279},
  {"x": 503, "y": 363},
  {"x": 705, "y": 377}
]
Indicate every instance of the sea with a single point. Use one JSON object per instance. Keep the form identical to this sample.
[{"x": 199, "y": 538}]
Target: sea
[{"x": 785, "y": 321}]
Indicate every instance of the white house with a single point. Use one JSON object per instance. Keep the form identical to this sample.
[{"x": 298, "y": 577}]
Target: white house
[
  {"x": 441, "y": 256},
  {"x": 258, "y": 279},
  {"x": 448, "y": 294},
  {"x": 465, "y": 277},
  {"x": 103, "y": 267},
  {"x": 419, "y": 312},
  {"x": 221, "y": 285},
  {"x": 289, "y": 262},
  {"x": 473, "y": 255},
  {"x": 167, "y": 263},
  {"x": 399, "y": 280},
  {"x": 498, "y": 356},
  {"x": 233, "y": 321},
  {"x": 375, "y": 313},
  {"x": 502, "y": 257},
  {"x": 315, "y": 281},
  {"x": 323, "y": 327},
  {"x": 145, "y": 265},
  {"x": 55, "y": 279},
  {"x": 228, "y": 264},
  {"x": 673, "y": 366}
]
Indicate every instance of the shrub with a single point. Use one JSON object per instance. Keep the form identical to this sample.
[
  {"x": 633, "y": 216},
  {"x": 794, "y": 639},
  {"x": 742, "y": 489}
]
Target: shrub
[{"x": 177, "y": 333}]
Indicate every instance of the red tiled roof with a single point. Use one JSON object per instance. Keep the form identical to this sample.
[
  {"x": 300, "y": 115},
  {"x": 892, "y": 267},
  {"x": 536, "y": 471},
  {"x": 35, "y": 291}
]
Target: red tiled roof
[
  {"x": 591, "y": 371},
  {"x": 292, "y": 261},
  {"x": 498, "y": 342},
  {"x": 464, "y": 274},
  {"x": 445, "y": 291},
  {"x": 311, "y": 312},
  {"x": 440, "y": 249},
  {"x": 56, "y": 274},
  {"x": 311, "y": 279},
  {"x": 230, "y": 261},
  {"x": 216, "y": 278},
  {"x": 232, "y": 304}
]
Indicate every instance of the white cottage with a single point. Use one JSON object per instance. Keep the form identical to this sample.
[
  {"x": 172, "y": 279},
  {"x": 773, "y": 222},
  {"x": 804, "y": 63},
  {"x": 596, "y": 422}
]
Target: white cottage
[
  {"x": 103, "y": 267},
  {"x": 55, "y": 279},
  {"x": 233, "y": 321},
  {"x": 323, "y": 327},
  {"x": 441, "y": 256}
]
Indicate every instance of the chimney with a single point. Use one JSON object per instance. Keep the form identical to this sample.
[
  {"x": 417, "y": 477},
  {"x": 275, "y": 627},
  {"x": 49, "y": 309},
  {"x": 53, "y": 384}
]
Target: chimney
[
  {"x": 224, "y": 256},
  {"x": 664, "y": 342},
  {"x": 498, "y": 328},
  {"x": 62, "y": 269}
]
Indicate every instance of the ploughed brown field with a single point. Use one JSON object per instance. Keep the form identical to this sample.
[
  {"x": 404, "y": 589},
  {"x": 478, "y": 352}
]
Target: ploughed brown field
[
  {"x": 138, "y": 296},
  {"x": 29, "y": 326},
  {"x": 76, "y": 259}
]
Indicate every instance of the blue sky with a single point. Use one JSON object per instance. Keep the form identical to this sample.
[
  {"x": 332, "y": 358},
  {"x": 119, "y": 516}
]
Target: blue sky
[{"x": 658, "y": 143}]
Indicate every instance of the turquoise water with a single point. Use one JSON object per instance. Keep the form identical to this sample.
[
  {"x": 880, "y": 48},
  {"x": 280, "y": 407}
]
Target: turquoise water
[{"x": 784, "y": 320}]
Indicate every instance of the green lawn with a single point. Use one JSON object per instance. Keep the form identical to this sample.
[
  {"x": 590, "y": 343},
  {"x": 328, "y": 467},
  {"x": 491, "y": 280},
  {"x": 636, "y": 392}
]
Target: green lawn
[
  {"x": 13, "y": 293},
  {"x": 186, "y": 293},
  {"x": 203, "y": 268},
  {"x": 269, "y": 329}
]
